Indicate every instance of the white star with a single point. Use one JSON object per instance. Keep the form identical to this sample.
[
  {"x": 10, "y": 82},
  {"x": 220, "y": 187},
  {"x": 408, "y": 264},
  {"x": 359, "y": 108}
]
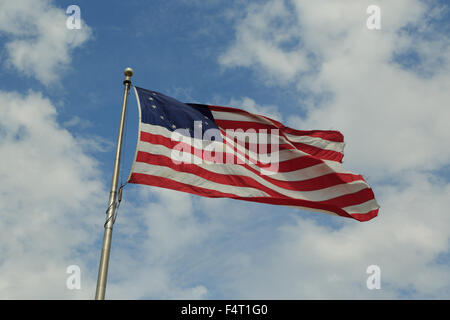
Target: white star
[
  {"x": 162, "y": 117},
  {"x": 151, "y": 99},
  {"x": 174, "y": 126},
  {"x": 153, "y": 106}
]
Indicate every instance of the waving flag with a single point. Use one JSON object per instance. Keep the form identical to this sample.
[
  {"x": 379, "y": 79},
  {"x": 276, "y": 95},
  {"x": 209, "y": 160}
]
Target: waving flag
[{"x": 219, "y": 152}]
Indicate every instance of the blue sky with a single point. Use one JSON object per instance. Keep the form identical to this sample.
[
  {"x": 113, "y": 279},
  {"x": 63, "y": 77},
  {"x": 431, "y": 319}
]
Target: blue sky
[{"x": 311, "y": 64}]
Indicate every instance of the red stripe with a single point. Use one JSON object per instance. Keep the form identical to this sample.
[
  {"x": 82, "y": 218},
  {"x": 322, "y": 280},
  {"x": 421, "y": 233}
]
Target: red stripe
[
  {"x": 316, "y": 183},
  {"x": 288, "y": 164},
  {"x": 298, "y": 163},
  {"x": 319, "y": 153},
  {"x": 231, "y": 180},
  {"x": 351, "y": 199},
  {"x": 264, "y": 148},
  {"x": 301, "y": 162},
  {"x": 244, "y": 181},
  {"x": 365, "y": 216},
  {"x": 139, "y": 178},
  {"x": 261, "y": 148},
  {"x": 312, "y": 150},
  {"x": 312, "y": 184},
  {"x": 330, "y": 135},
  {"x": 244, "y": 125}
]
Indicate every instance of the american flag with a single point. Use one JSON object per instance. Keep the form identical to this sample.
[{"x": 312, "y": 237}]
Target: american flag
[{"x": 217, "y": 152}]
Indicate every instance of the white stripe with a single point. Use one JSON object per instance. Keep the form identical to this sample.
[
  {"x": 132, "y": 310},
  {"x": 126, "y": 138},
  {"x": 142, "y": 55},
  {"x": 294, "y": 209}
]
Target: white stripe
[
  {"x": 243, "y": 153},
  {"x": 227, "y": 169},
  {"x": 317, "y": 142},
  {"x": 139, "y": 131},
  {"x": 363, "y": 207},
  {"x": 326, "y": 167},
  {"x": 195, "y": 180},
  {"x": 318, "y": 170},
  {"x": 232, "y": 116},
  {"x": 313, "y": 141},
  {"x": 282, "y": 155},
  {"x": 290, "y": 139},
  {"x": 297, "y": 175}
]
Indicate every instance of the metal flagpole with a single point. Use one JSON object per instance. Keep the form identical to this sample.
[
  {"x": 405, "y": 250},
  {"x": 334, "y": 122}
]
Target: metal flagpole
[{"x": 110, "y": 214}]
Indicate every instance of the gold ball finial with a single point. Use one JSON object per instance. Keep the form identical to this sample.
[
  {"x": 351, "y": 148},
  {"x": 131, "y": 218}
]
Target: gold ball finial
[{"x": 128, "y": 72}]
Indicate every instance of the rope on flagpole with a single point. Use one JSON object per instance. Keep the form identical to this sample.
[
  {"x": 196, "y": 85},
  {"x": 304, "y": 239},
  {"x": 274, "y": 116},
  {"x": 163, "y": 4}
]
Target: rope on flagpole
[{"x": 116, "y": 206}]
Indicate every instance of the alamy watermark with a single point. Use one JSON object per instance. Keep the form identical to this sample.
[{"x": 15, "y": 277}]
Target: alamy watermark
[
  {"x": 231, "y": 146},
  {"x": 374, "y": 20},
  {"x": 73, "y": 281},
  {"x": 73, "y": 22},
  {"x": 374, "y": 280}
]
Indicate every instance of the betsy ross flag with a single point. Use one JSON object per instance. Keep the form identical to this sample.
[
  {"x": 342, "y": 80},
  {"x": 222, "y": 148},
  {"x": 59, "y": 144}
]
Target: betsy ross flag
[{"x": 223, "y": 152}]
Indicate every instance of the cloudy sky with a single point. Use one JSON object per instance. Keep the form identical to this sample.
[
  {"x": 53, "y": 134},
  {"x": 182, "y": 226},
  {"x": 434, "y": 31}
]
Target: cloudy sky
[{"x": 310, "y": 64}]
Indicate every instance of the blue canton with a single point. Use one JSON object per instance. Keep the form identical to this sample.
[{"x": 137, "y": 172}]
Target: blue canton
[{"x": 161, "y": 110}]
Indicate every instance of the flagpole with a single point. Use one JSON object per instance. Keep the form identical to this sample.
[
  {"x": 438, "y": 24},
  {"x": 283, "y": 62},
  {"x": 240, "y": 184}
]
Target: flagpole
[{"x": 110, "y": 214}]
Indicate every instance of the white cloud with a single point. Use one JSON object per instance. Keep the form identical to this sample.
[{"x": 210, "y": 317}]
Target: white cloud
[
  {"x": 163, "y": 231},
  {"x": 170, "y": 245},
  {"x": 260, "y": 39},
  {"x": 368, "y": 90},
  {"x": 318, "y": 262},
  {"x": 78, "y": 123},
  {"x": 38, "y": 42},
  {"x": 50, "y": 199},
  {"x": 250, "y": 105},
  {"x": 394, "y": 119}
]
